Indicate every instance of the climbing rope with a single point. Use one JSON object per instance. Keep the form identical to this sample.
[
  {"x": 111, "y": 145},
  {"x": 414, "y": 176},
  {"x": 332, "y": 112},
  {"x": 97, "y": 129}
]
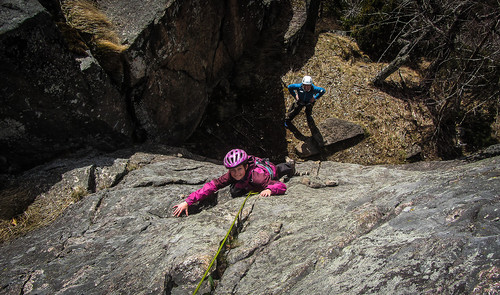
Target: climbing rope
[{"x": 223, "y": 242}]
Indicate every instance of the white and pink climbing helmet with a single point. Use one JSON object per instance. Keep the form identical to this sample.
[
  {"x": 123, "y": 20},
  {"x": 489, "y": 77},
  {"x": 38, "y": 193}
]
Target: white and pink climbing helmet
[{"x": 234, "y": 158}]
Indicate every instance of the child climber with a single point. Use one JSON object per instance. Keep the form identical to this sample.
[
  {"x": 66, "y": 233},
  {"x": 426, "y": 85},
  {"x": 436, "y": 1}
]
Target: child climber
[{"x": 246, "y": 173}]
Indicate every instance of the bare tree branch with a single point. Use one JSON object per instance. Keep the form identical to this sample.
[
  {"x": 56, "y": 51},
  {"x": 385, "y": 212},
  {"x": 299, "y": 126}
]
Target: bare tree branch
[{"x": 400, "y": 59}]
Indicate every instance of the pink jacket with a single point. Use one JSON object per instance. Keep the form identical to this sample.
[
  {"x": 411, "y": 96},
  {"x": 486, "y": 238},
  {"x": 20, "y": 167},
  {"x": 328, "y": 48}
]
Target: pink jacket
[{"x": 256, "y": 179}]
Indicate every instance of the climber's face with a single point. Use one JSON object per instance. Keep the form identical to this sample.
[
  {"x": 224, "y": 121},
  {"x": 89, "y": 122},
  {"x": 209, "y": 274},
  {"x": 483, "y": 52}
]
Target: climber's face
[
  {"x": 238, "y": 172},
  {"x": 307, "y": 88}
]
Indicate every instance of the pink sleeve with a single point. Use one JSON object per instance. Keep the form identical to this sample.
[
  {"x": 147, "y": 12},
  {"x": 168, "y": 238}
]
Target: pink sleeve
[
  {"x": 264, "y": 181},
  {"x": 208, "y": 189},
  {"x": 276, "y": 187}
]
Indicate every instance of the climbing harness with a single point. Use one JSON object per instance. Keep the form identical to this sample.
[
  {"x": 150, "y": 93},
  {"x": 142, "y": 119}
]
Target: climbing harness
[{"x": 223, "y": 242}]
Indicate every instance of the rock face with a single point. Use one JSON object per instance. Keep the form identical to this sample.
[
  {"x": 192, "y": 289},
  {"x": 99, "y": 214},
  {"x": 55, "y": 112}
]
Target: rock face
[
  {"x": 180, "y": 50},
  {"x": 51, "y": 102},
  {"x": 179, "y": 53},
  {"x": 428, "y": 228}
]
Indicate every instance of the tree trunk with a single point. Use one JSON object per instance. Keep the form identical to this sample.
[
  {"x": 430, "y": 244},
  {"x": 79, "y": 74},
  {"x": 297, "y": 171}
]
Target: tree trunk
[
  {"x": 403, "y": 55},
  {"x": 312, "y": 7}
]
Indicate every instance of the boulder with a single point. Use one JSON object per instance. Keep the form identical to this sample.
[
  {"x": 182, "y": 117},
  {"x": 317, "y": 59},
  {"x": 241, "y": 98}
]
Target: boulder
[
  {"x": 331, "y": 133},
  {"x": 335, "y": 130},
  {"x": 341, "y": 229}
]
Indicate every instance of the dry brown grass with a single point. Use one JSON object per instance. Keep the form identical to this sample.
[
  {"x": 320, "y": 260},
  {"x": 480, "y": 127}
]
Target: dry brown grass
[
  {"x": 98, "y": 33},
  {"x": 44, "y": 210},
  {"x": 88, "y": 20},
  {"x": 392, "y": 125}
]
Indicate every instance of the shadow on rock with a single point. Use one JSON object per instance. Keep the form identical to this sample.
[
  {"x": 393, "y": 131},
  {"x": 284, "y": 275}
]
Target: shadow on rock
[
  {"x": 332, "y": 135},
  {"x": 296, "y": 132}
]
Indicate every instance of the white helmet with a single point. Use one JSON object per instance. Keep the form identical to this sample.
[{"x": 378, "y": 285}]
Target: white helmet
[{"x": 307, "y": 80}]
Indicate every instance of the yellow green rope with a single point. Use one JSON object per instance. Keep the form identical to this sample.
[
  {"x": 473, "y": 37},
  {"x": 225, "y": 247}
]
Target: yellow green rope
[{"x": 223, "y": 242}]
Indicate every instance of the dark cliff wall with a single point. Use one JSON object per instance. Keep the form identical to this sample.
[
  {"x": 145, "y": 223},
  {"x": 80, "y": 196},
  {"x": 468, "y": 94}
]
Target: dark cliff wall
[
  {"x": 51, "y": 101},
  {"x": 179, "y": 56},
  {"x": 247, "y": 109}
]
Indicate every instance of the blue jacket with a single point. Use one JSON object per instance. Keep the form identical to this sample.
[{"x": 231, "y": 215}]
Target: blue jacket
[{"x": 305, "y": 97}]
